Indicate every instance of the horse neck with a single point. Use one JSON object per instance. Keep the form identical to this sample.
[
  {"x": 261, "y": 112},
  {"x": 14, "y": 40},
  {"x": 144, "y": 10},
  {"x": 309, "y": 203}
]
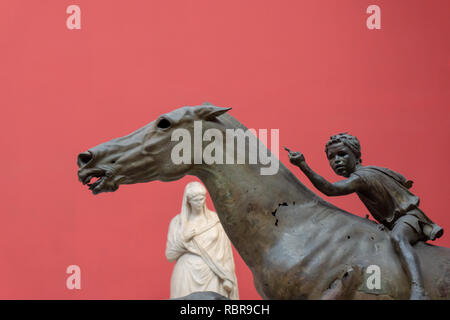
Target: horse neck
[{"x": 246, "y": 201}]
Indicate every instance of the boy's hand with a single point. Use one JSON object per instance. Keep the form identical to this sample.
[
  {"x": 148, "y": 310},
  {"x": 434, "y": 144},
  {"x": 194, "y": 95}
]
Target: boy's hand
[{"x": 296, "y": 158}]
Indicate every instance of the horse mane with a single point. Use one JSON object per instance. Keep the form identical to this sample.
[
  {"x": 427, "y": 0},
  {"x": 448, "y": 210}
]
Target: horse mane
[{"x": 231, "y": 122}]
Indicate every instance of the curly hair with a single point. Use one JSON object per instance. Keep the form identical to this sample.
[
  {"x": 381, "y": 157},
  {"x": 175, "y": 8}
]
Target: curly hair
[{"x": 349, "y": 141}]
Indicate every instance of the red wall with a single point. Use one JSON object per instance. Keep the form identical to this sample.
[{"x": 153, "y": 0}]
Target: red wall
[{"x": 307, "y": 68}]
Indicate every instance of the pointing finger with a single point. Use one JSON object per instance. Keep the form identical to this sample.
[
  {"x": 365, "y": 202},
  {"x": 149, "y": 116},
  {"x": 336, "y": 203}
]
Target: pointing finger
[{"x": 287, "y": 149}]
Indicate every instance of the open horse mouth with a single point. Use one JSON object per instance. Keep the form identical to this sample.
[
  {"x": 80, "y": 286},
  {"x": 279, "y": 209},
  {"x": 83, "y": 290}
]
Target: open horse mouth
[
  {"x": 87, "y": 179},
  {"x": 98, "y": 180}
]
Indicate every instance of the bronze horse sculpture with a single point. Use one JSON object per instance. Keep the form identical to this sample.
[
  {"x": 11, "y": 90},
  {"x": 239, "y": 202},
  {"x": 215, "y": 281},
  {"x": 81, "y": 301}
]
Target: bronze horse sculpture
[{"x": 297, "y": 245}]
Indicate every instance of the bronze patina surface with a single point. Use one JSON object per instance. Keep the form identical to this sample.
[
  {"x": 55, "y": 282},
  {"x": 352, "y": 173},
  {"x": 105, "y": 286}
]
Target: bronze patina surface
[
  {"x": 297, "y": 245},
  {"x": 386, "y": 195}
]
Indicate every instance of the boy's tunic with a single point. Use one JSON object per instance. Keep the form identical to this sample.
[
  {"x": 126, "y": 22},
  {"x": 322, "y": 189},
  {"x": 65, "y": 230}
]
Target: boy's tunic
[{"x": 387, "y": 198}]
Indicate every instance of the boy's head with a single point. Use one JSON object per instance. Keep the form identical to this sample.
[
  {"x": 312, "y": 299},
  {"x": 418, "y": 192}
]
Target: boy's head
[{"x": 344, "y": 153}]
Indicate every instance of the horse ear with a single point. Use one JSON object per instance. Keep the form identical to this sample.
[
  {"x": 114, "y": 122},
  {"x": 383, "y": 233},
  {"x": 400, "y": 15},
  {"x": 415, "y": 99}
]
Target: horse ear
[{"x": 208, "y": 111}]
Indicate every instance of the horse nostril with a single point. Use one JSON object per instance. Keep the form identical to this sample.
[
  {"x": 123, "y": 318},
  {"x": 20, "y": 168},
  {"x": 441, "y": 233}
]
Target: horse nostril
[{"x": 84, "y": 158}]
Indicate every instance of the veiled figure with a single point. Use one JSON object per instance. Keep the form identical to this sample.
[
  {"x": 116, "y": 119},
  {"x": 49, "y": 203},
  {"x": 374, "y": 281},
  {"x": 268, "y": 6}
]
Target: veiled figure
[{"x": 202, "y": 250}]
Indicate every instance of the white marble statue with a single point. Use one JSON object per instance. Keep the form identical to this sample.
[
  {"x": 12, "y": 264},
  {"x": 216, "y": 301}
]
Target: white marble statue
[{"x": 202, "y": 250}]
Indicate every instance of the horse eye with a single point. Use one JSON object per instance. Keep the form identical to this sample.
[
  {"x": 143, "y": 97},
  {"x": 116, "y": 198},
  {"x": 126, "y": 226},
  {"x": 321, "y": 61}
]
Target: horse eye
[{"x": 163, "y": 124}]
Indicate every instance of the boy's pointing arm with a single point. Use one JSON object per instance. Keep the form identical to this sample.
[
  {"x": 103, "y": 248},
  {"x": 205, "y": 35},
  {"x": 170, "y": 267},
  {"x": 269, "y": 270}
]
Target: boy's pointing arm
[{"x": 339, "y": 188}]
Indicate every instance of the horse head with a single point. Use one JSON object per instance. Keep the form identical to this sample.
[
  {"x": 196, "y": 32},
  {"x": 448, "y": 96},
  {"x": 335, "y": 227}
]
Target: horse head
[{"x": 143, "y": 155}]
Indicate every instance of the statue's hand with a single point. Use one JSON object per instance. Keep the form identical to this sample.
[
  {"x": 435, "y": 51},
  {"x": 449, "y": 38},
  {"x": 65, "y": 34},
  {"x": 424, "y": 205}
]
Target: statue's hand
[
  {"x": 296, "y": 158},
  {"x": 227, "y": 285},
  {"x": 189, "y": 235}
]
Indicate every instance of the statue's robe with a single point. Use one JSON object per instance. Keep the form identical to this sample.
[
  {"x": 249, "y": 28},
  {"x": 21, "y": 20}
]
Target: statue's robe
[
  {"x": 203, "y": 263},
  {"x": 387, "y": 197}
]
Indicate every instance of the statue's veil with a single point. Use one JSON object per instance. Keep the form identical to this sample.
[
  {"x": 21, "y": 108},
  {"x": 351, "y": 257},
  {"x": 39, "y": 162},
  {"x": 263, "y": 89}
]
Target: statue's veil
[{"x": 208, "y": 217}]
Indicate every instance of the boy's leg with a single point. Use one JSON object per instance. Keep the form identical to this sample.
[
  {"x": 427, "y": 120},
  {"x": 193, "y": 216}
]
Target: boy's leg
[{"x": 403, "y": 236}]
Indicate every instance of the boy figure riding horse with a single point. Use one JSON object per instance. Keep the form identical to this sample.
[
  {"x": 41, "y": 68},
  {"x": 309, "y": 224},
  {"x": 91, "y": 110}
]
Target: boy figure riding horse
[{"x": 385, "y": 194}]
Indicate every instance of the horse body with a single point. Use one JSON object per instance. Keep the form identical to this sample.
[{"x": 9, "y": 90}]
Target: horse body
[{"x": 297, "y": 245}]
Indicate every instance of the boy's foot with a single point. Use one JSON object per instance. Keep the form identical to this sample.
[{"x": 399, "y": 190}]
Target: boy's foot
[
  {"x": 436, "y": 232},
  {"x": 418, "y": 294}
]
